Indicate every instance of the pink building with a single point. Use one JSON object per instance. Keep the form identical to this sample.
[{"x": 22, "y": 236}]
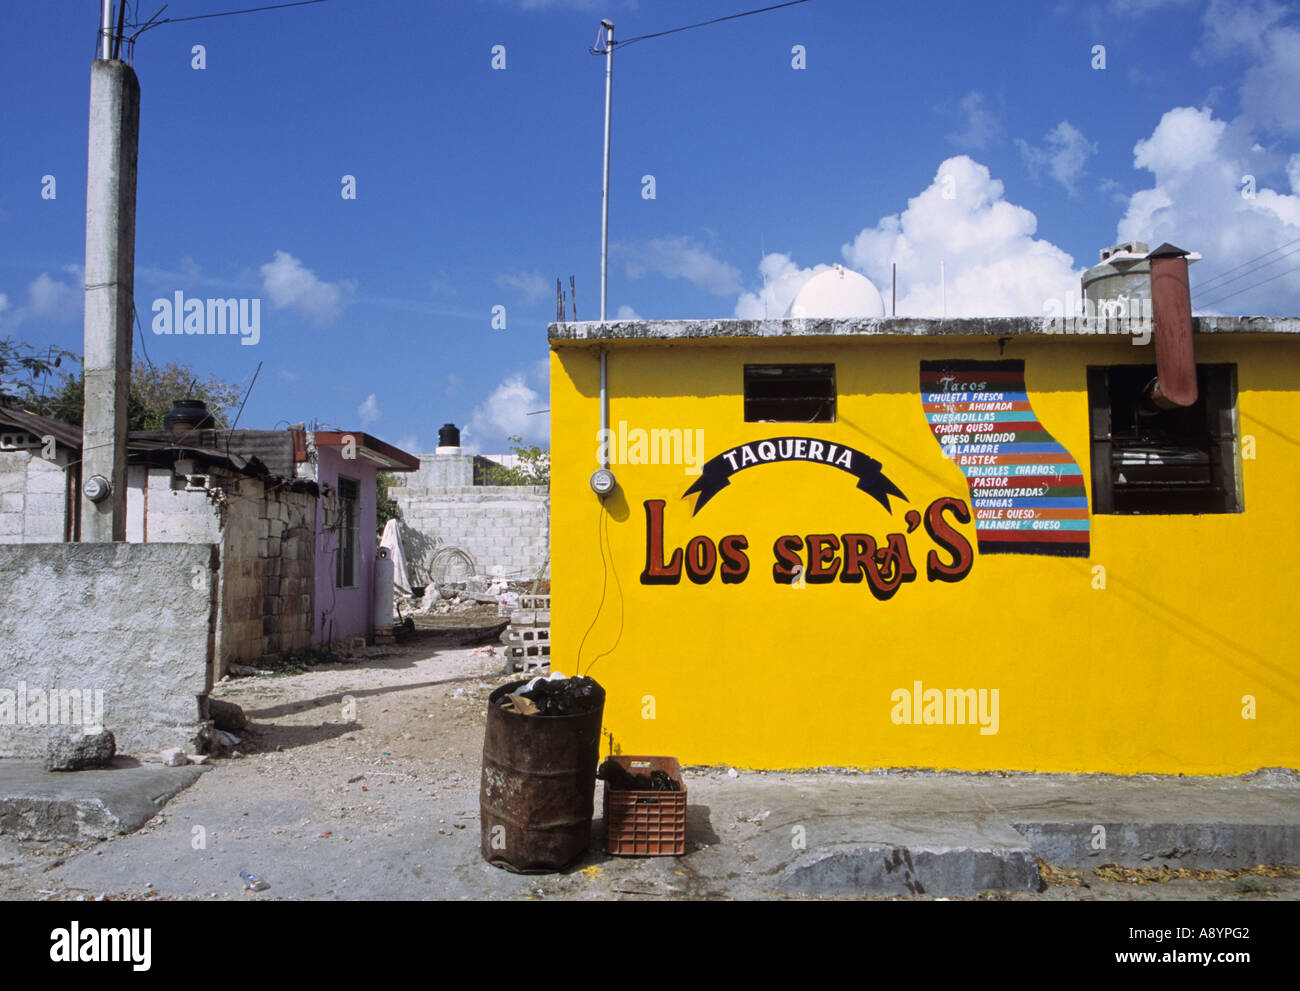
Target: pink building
[{"x": 346, "y": 466}]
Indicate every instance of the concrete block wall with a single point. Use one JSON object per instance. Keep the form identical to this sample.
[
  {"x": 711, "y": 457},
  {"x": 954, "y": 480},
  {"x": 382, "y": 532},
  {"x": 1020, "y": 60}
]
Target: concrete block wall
[
  {"x": 133, "y": 621},
  {"x": 441, "y": 471},
  {"x": 265, "y": 536},
  {"x": 288, "y": 571},
  {"x": 267, "y": 579},
  {"x": 159, "y": 510},
  {"x": 33, "y": 497},
  {"x": 504, "y": 528}
]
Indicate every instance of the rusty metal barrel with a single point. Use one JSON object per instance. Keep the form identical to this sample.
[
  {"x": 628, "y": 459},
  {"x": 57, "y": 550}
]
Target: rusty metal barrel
[{"x": 538, "y": 786}]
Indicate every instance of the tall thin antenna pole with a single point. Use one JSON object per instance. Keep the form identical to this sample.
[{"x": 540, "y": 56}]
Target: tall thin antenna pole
[
  {"x": 105, "y": 27},
  {"x": 121, "y": 22},
  {"x": 893, "y": 293},
  {"x": 604, "y": 193}
]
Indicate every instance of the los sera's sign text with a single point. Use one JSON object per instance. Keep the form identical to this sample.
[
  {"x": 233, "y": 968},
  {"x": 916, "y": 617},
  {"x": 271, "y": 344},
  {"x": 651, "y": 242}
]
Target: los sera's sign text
[{"x": 818, "y": 558}]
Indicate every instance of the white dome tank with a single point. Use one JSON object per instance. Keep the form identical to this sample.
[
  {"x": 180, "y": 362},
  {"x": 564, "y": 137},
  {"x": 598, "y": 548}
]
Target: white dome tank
[{"x": 838, "y": 293}]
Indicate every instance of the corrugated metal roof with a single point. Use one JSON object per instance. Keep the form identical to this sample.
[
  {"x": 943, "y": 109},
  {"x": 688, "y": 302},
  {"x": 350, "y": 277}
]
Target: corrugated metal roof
[
  {"x": 68, "y": 434},
  {"x": 272, "y": 449}
]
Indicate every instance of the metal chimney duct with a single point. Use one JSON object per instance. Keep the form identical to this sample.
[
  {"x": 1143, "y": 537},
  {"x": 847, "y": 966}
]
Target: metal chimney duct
[{"x": 1171, "y": 298}]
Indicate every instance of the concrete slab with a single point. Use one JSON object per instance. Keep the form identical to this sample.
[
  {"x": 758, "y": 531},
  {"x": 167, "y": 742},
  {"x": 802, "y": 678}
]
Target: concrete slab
[
  {"x": 960, "y": 834},
  {"x": 36, "y": 804},
  {"x": 361, "y": 782}
]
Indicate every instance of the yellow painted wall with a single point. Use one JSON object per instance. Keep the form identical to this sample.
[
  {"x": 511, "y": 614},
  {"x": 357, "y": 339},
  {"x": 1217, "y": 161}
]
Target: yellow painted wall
[{"x": 1145, "y": 675}]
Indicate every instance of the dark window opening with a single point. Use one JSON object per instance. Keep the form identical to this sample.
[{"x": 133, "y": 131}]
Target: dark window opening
[
  {"x": 1146, "y": 460},
  {"x": 789, "y": 393},
  {"x": 349, "y": 511}
]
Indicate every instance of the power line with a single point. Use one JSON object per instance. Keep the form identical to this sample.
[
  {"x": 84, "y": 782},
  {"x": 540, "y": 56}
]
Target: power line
[
  {"x": 1205, "y": 285},
  {"x": 1216, "y": 302},
  {"x": 688, "y": 27},
  {"x": 225, "y": 13},
  {"x": 1203, "y": 291}
]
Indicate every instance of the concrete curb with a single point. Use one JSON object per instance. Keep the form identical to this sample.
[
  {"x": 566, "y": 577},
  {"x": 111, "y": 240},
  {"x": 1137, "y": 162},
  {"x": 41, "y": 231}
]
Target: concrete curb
[{"x": 36, "y": 804}]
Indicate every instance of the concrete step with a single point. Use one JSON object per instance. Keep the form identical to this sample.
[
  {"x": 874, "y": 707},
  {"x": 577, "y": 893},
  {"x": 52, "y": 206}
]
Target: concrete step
[{"x": 36, "y": 804}]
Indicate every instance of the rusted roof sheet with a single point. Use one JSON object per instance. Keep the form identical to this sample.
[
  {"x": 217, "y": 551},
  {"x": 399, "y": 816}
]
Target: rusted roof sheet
[
  {"x": 68, "y": 434},
  {"x": 272, "y": 449}
]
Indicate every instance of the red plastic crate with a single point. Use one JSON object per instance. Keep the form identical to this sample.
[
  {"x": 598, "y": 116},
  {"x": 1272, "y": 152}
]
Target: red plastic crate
[{"x": 646, "y": 823}]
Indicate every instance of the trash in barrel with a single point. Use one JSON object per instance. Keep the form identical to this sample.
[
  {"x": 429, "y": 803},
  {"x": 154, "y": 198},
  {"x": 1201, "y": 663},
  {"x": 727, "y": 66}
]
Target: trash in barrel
[{"x": 540, "y": 749}]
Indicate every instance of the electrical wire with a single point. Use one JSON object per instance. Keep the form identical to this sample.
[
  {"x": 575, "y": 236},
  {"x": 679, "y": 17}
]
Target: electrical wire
[
  {"x": 577, "y": 664},
  {"x": 1220, "y": 299},
  {"x": 613, "y": 568},
  {"x": 1205, "y": 286},
  {"x": 225, "y": 13},
  {"x": 717, "y": 20},
  {"x": 1214, "y": 291}
]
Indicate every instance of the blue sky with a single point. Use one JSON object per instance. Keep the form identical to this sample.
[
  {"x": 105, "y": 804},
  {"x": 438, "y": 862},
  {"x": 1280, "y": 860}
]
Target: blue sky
[{"x": 476, "y": 187}]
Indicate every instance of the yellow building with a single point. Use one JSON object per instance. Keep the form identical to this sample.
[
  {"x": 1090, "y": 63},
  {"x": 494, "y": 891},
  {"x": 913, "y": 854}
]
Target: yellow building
[{"x": 962, "y": 544}]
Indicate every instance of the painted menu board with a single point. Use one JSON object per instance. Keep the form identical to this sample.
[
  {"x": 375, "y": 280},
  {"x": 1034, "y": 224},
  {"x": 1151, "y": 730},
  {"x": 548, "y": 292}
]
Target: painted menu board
[{"x": 1027, "y": 491}]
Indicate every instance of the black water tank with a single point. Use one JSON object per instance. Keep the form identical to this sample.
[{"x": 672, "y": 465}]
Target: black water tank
[
  {"x": 187, "y": 415},
  {"x": 449, "y": 436}
]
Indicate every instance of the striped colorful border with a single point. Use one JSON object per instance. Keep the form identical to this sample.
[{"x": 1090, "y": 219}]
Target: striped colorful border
[{"x": 1027, "y": 492}]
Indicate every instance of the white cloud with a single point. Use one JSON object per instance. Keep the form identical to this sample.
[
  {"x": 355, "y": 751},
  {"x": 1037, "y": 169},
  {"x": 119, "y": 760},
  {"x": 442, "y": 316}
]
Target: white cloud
[
  {"x": 1140, "y": 8},
  {"x": 555, "y": 4},
  {"x": 782, "y": 280},
  {"x": 47, "y": 299},
  {"x": 993, "y": 265},
  {"x": 1196, "y": 202},
  {"x": 627, "y": 313},
  {"x": 57, "y": 302},
  {"x": 505, "y": 412},
  {"x": 409, "y": 443},
  {"x": 681, "y": 258},
  {"x": 982, "y": 126},
  {"x": 291, "y": 285},
  {"x": 369, "y": 411},
  {"x": 1063, "y": 154},
  {"x": 533, "y": 286},
  {"x": 1254, "y": 30}
]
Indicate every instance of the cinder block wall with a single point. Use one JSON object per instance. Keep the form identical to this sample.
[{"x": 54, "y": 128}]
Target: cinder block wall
[
  {"x": 266, "y": 584},
  {"x": 265, "y": 536},
  {"x": 33, "y": 497},
  {"x": 133, "y": 621},
  {"x": 288, "y": 570},
  {"x": 504, "y": 528}
]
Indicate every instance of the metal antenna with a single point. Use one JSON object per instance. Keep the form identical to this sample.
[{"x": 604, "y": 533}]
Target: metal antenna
[
  {"x": 105, "y": 28},
  {"x": 121, "y": 20},
  {"x": 608, "y": 25}
]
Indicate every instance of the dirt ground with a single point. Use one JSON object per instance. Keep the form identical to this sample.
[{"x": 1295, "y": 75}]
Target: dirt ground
[
  {"x": 359, "y": 778},
  {"x": 385, "y": 734}
]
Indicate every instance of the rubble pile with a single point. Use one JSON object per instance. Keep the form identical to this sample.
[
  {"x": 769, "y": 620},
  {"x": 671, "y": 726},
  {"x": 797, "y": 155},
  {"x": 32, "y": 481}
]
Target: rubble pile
[{"x": 465, "y": 595}]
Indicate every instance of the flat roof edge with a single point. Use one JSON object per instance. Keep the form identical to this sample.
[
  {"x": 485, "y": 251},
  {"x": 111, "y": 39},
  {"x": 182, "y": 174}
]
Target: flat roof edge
[{"x": 588, "y": 331}]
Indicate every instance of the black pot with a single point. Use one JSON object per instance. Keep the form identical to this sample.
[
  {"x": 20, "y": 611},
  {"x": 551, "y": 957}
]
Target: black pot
[{"x": 188, "y": 414}]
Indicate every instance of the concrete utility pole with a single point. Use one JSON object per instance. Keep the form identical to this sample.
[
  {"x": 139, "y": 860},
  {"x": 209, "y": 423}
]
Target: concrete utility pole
[{"x": 110, "y": 288}]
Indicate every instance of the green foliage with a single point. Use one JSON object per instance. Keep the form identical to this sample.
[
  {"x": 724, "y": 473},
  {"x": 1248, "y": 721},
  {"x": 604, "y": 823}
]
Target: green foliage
[
  {"x": 152, "y": 393},
  {"x": 533, "y": 468},
  {"x": 386, "y": 507},
  {"x": 22, "y": 368}
]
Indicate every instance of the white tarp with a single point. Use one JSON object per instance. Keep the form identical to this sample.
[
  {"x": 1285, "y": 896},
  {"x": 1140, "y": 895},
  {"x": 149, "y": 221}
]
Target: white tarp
[{"x": 401, "y": 580}]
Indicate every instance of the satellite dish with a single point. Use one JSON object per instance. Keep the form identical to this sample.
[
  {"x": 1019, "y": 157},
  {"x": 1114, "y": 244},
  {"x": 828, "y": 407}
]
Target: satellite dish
[{"x": 839, "y": 293}]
